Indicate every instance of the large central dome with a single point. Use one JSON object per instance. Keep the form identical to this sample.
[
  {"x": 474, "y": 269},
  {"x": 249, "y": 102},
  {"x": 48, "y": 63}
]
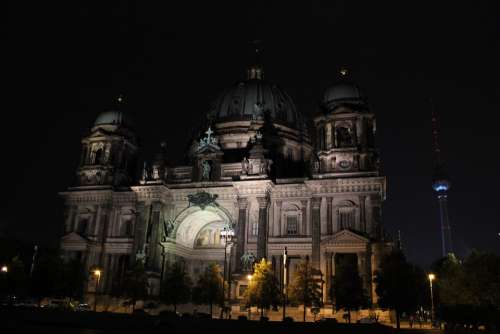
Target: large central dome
[{"x": 251, "y": 99}]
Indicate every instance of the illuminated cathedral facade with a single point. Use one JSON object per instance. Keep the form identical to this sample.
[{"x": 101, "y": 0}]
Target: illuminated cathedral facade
[{"x": 256, "y": 173}]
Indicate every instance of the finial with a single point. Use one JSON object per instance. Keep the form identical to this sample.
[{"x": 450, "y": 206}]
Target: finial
[
  {"x": 344, "y": 71},
  {"x": 120, "y": 99},
  {"x": 256, "y": 70}
]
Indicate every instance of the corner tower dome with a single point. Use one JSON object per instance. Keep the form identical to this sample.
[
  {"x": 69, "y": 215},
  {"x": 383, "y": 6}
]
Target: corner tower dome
[
  {"x": 111, "y": 117},
  {"x": 344, "y": 92}
]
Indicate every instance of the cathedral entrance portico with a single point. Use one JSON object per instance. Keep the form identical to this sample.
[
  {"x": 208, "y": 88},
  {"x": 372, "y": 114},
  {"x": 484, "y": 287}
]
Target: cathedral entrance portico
[{"x": 344, "y": 247}]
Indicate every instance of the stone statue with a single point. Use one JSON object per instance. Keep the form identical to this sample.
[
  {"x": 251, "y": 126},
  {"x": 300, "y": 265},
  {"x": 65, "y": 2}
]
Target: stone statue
[
  {"x": 206, "y": 170},
  {"x": 269, "y": 163},
  {"x": 156, "y": 172},
  {"x": 168, "y": 226},
  {"x": 244, "y": 166},
  {"x": 144, "y": 176},
  {"x": 140, "y": 256},
  {"x": 247, "y": 261}
]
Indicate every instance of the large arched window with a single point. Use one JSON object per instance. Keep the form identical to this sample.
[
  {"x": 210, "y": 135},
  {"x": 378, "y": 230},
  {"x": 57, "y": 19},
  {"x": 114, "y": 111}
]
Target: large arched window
[
  {"x": 82, "y": 226},
  {"x": 98, "y": 157},
  {"x": 292, "y": 219},
  {"x": 346, "y": 215}
]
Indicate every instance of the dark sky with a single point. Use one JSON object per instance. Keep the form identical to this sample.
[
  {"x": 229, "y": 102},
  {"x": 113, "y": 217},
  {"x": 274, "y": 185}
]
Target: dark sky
[{"x": 67, "y": 61}]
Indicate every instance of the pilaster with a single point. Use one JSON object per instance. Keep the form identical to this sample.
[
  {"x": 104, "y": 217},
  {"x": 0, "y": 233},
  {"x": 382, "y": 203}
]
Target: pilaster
[
  {"x": 316, "y": 230},
  {"x": 263, "y": 224},
  {"x": 240, "y": 230}
]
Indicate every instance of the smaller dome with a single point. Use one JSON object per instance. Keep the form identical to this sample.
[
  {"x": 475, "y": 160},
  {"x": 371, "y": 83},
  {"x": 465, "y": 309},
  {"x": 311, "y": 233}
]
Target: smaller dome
[
  {"x": 342, "y": 93},
  {"x": 112, "y": 117}
]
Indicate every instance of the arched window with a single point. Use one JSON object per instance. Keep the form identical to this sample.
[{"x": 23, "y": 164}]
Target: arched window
[
  {"x": 82, "y": 226},
  {"x": 255, "y": 229},
  {"x": 292, "y": 219},
  {"x": 344, "y": 136},
  {"x": 346, "y": 215},
  {"x": 84, "y": 155},
  {"x": 292, "y": 224},
  {"x": 98, "y": 157}
]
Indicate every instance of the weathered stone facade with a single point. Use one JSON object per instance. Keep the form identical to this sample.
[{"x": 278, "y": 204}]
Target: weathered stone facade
[{"x": 319, "y": 202}]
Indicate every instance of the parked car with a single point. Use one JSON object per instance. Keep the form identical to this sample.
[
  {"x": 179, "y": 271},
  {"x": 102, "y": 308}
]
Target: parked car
[
  {"x": 83, "y": 308},
  {"x": 26, "y": 303},
  {"x": 58, "y": 304},
  {"x": 366, "y": 320},
  {"x": 328, "y": 320}
]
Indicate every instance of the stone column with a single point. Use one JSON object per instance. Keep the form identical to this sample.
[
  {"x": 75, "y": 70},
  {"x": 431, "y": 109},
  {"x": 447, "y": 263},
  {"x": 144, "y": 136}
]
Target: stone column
[
  {"x": 240, "y": 231},
  {"x": 141, "y": 225},
  {"x": 304, "y": 217},
  {"x": 362, "y": 267},
  {"x": 329, "y": 229},
  {"x": 324, "y": 270},
  {"x": 277, "y": 218},
  {"x": 328, "y": 131},
  {"x": 316, "y": 230},
  {"x": 96, "y": 222},
  {"x": 70, "y": 219},
  {"x": 262, "y": 233},
  {"x": 328, "y": 277},
  {"x": 154, "y": 242},
  {"x": 362, "y": 215}
]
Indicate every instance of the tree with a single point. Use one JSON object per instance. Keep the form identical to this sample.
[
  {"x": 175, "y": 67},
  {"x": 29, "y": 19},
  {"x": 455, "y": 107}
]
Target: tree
[
  {"x": 263, "y": 289},
  {"x": 176, "y": 286},
  {"x": 398, "y": 283},
  {"x": 136, "y": 284},
  {"x": 348, "y": 289},
  {"x": 305, "y": 288},
  {"x": 16, "y": 280},
  {"x": 468, "y": 292},
  {"x": 209, "y": 288}
]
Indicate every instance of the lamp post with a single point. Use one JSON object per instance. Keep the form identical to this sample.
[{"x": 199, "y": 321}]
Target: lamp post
[
  {"x": 285, "y": 255},
  {"x": 227, "y": 233},
  {"x": 431, "y": 277},
  {"x": 97, "y": 273}
]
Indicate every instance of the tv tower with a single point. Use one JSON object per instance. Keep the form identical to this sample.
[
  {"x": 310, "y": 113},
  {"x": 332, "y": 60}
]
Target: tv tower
[{"x": 441, "y": 184}]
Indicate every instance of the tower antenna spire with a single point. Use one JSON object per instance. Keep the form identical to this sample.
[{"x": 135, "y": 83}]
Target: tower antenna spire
[
  {"x": 435, "y": 135},
  {"x": 441, "y": 184}
]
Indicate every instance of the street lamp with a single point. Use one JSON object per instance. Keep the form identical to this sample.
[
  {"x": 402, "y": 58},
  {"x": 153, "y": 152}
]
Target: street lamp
[
  {"x": 227, "y": 233},
  {"x": 431, "y": 277},
  {"x": 5, "y": 269},
  {"x": 285, "y": 256},
  {"x": 97, "y": 273}
]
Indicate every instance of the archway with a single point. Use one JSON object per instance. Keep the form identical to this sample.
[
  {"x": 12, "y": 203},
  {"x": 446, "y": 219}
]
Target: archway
[{"x": 195, "y": 221}]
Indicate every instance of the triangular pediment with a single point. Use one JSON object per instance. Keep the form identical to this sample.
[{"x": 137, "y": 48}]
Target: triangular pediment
[
  {"x": 346, "y": 237},
  {"x": 73, "y": 237}
]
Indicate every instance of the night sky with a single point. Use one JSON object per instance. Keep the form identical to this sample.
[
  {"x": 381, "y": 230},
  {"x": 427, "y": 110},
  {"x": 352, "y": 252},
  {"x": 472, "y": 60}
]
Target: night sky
[{"x": 67, "y": 61}]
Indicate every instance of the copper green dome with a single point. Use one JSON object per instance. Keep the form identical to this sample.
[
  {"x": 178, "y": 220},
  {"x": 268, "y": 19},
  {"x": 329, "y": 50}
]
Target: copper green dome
[
  {"x": 342, "y": 93},
  {"x": 112, "y": 117},
  {"x": 252, "y": 98}
]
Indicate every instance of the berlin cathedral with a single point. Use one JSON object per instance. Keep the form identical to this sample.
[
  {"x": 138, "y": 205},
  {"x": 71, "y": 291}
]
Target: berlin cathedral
[{"x": 258, "y": 180}]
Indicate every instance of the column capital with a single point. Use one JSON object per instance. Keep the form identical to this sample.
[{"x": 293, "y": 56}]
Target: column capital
[
  {"x": 316, "y": 202},
  {"x": 242, "y": 202},
  {"x": 263, "y": 201}
]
